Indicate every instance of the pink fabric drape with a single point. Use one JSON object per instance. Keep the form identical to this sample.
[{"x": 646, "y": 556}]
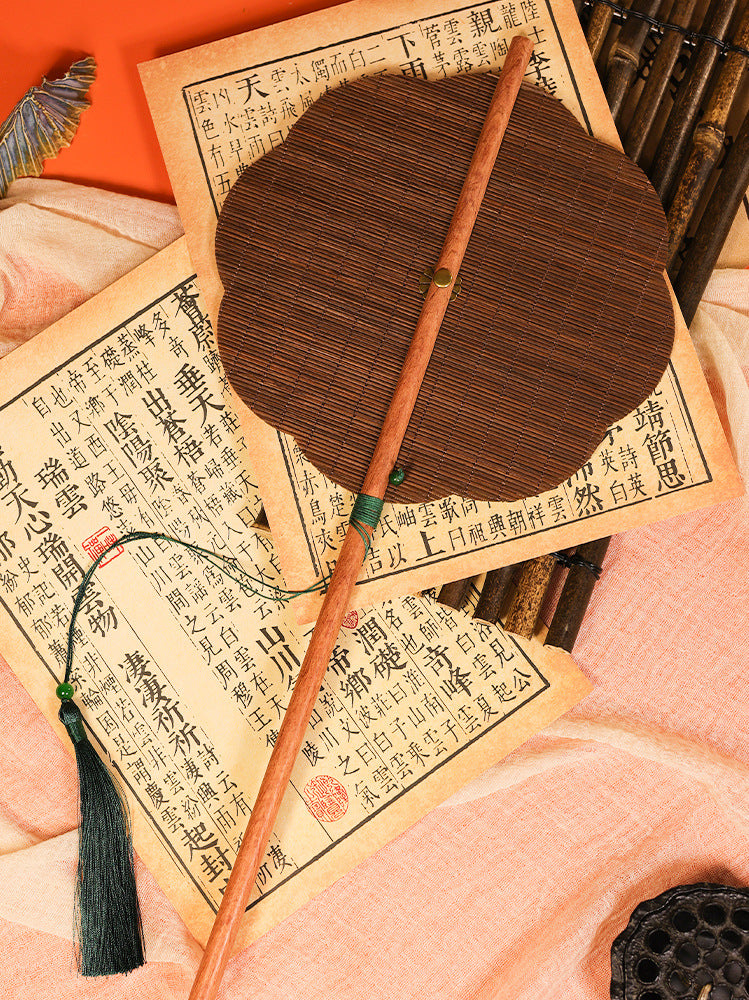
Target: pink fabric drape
[{"x": 517, "y": 886}]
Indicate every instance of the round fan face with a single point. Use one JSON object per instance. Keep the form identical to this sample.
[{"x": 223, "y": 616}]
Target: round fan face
[
  {"x": 563, "y": 323},
  {"x": 682, "y": 941}
]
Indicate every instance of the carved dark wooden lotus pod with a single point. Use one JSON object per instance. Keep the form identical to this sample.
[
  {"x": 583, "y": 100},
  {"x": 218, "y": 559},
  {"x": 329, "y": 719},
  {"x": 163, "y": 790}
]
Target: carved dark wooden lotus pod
[
  {"x": 563, "y": 325},
  {"x": 677, "y": 943}
]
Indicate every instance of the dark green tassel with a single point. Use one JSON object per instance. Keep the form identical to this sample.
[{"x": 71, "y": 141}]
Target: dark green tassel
[{"x": 108, "y": 924}]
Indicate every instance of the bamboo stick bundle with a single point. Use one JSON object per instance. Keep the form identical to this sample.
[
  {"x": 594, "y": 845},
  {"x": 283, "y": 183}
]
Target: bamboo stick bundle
[
  {"x": 657, "y": 81},
  {"x": 680, "y": 123},
  {"x": 699, "y": 262},
  {"x": 707, "y": 144}
]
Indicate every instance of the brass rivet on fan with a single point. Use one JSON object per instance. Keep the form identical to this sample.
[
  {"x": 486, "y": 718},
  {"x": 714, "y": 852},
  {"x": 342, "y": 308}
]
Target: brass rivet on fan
[{"x": 427, "y": 276}]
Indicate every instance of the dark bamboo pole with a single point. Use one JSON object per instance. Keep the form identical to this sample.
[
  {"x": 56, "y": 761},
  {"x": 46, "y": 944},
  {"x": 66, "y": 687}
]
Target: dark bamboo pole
[
  {"x": 353, "y": 551},
  {"x": 625, "y": 57},
  {"x": 709, "y": 137},
  {"x": 657, "y": 81},
  {"x": 598, "y": 28},
  {"x": 716, "y": 221},
  {"x": 677, "y": 133},
  {"x": 496, "y": 585},
  {"x": 576, "y": 593},
  {"x": 453, "y": 594}
]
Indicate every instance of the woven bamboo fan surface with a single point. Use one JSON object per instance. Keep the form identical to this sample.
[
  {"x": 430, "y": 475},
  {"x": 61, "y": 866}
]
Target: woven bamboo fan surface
[{"x": 563, "y": 323}]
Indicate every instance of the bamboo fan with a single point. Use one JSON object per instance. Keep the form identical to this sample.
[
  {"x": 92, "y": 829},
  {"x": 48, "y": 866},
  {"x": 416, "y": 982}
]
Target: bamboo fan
[{"x": 562, "y": 322}]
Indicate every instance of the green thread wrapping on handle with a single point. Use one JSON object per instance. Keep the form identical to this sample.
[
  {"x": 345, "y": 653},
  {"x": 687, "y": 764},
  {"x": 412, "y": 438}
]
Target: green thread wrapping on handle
[{"x": 366, "y": 514}]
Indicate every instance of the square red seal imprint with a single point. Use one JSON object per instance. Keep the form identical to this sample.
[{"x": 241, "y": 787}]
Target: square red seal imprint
[
  {"x": 351, "y": 620},
  {"x": 326, "y": 798},
  {"x": 94, "y": 545}
]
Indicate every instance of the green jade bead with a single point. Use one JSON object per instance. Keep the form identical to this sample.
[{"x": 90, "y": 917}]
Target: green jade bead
[
  {"x": 65, "y": 692},
  {"x": 397, "y": 476}
]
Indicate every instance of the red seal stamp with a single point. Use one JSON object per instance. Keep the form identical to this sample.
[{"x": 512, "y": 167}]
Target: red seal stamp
[
  {"x": 94, "y": 545},
  {"x": 351, "y": 620},
  {"x": 326, "y": 798}
]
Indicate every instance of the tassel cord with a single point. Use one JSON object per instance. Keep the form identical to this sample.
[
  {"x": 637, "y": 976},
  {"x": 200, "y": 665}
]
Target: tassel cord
[
  {"x": 108, "y": 926},
  {"x": 225, "y": 564}
]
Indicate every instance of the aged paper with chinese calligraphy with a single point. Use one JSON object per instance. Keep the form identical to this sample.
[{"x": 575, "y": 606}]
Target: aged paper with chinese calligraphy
[
  {"x": 219, "y": 107},
  {"x": 118, "y": 418}
]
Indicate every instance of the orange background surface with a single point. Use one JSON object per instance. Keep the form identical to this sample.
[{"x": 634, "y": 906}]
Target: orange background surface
[{"x": 115, "y": 146}]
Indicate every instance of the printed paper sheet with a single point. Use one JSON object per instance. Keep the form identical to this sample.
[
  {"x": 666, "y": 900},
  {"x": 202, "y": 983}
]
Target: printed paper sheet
[
  {"x": 116, "y": 419},
  {"x": 219, "y": 107}
]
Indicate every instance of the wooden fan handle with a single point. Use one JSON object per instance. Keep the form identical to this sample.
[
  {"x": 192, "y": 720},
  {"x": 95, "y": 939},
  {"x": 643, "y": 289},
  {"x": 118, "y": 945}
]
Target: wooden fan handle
[{"x": 348, "y": 566}]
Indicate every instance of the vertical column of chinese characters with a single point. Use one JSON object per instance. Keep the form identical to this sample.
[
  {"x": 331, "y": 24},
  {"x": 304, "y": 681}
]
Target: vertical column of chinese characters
[
  {"x": 38, "y": 570},
  {"x": 659, "y": 440},
  {"x": 71, "y": 480},
  {"x": 613, "y": 459},
  {"x": 173, "y": 768},
  {"x": 357, "y": 749},
  {"x": 237, "y": 120},
  {"x": 493, "y": 671}
]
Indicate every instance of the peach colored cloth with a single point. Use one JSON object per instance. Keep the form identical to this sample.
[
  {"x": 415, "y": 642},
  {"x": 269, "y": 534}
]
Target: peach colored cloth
[
  {"x": 517, "y": 886},
  {"x": 61, "y": 243}
]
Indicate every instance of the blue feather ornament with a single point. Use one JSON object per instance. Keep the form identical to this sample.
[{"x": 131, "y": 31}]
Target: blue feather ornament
[{"x": 43, "y": 122}]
